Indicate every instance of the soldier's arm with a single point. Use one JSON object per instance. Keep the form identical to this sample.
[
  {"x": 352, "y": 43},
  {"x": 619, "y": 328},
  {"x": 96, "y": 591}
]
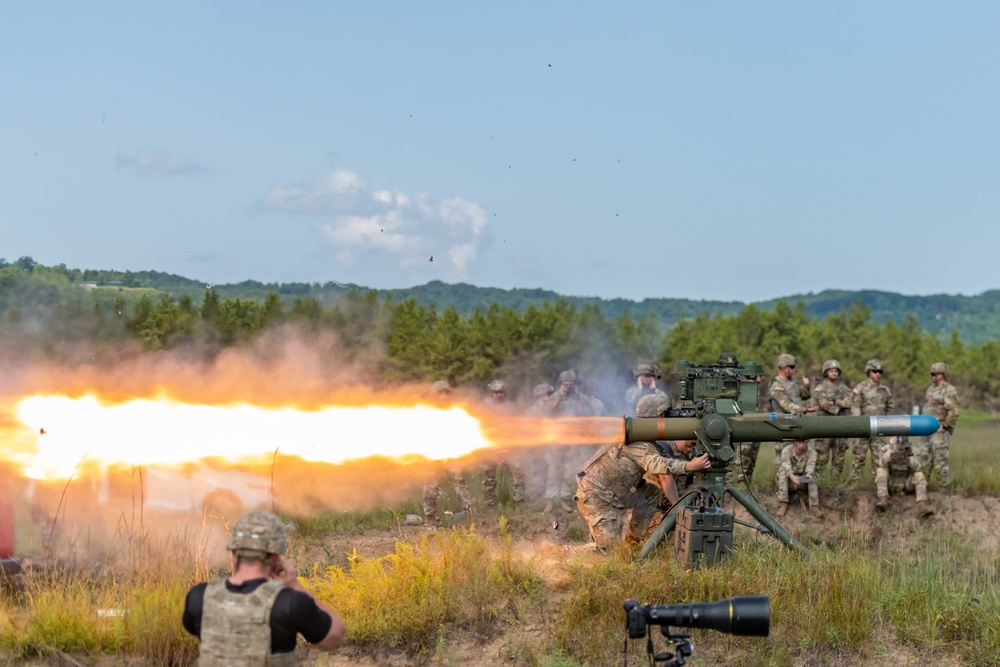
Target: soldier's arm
[
  {"x": 781, "y": 398},
  {"x": 951, "y": 409},
  {"x": 890, "y": 402},
  {"x": 856, "y": 399},
  {"x": 811, "y": 462}
]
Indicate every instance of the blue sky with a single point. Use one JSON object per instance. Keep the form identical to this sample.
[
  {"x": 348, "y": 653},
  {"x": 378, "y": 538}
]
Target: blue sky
[{"x": 724, "y": 150}]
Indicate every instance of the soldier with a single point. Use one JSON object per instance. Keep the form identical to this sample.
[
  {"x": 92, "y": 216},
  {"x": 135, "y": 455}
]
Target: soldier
[
  {"x": 869, "y": 397},
  {"x": 254, "y": 616},
  {"x": 898, "y": 470},
  {"x": 941, "y": 401},
  {"x": 832, "y": 398},
  {"x": 786, "y": 395},
  {"x": 645, "y": 384},
  {"x": 565, "y": 401},
  {"x": 432, "y": 487},
  {"x": 613, "y": 493},
  {"x": 797, "y": 468},
  {"x": 498, "y": 401},
  {"x": 675, "y": 484},
  {"x": 536, "y": 455},
  {"x": 727, "y": 360}
]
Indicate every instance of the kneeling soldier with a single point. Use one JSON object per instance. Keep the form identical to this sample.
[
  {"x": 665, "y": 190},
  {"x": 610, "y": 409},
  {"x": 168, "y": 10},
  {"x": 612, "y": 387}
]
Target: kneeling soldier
[
  {"x": 796, "y": 473},
  {"x": 898, "y": 470}
]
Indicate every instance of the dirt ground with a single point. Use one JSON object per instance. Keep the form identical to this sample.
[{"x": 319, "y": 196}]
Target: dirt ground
[{"x": 552, "y": 540}]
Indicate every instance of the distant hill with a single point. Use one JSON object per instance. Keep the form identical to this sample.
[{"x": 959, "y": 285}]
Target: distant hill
[{"x": 975, "y": 318}]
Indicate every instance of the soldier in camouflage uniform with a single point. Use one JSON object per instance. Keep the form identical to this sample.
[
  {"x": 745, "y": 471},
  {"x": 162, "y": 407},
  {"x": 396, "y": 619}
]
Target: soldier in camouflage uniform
[
  {"x": 832, "y": 398},
  {"x": 785, "y": 395},
  {"x": 560, "y": 462},
  {"x": 254, "y": 616},
  {"x": 869, "y": 397},
  {"x": 796, "y": 473},
  {"x": 613, "y": 493},
  {"x": 645, "y": 385},
  {"x": 898, "y": 470},
  {"x": 941, "y": 402},
  {"x": 498, "y": 401},
  {"x": 432, "y": 484}
]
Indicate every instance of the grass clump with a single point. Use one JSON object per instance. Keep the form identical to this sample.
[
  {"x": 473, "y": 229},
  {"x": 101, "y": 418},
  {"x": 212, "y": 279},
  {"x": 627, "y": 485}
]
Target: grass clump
[{"x": 403, "y": 600}]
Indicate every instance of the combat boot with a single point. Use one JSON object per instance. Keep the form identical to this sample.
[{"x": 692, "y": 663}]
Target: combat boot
[
  {"x": 566, "y": 507},
  {"x": 548, "y": 507},
  {"x": 815, "y": 511},
  {"x": 882, "y": 504},
  {"x": 923, "y": 509},
  {"x": 782, "y": 508}
]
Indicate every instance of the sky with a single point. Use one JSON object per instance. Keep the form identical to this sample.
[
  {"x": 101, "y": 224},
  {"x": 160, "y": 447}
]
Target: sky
[{"x": 725, "y": 150}]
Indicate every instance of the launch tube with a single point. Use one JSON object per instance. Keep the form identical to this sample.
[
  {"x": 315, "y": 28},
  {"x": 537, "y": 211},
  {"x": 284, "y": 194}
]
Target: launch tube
[{"x": 776, "y": 427}]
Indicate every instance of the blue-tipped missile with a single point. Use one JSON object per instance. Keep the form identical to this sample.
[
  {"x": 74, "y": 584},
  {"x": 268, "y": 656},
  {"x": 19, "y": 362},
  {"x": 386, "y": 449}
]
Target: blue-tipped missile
[{"x": 776, "y": 427}]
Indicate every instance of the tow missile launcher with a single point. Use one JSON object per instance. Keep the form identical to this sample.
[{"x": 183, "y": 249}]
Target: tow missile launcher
[{"x": 720, "y": 410}]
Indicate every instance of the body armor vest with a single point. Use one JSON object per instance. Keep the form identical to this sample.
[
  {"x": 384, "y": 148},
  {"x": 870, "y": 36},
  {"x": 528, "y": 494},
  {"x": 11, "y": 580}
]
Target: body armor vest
[{"x": 236, "y": 628}]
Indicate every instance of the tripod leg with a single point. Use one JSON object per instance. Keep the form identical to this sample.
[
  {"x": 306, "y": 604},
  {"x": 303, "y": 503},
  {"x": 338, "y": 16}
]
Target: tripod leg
[
  {"x": 668, "y": 523},
  {"x": 768, "y": 521}
]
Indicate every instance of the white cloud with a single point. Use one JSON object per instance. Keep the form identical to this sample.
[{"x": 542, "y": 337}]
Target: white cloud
[
  {"x": 393, "y": 230},
  {"x": 160, "y": 163}
]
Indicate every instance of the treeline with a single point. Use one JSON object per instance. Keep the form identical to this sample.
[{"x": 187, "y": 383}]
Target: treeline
[{"x": 415, "y": 342}]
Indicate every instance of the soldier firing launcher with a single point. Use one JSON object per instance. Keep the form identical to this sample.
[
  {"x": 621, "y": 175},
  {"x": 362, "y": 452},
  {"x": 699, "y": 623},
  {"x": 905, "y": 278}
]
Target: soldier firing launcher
[{"x": 719, "y": 410}]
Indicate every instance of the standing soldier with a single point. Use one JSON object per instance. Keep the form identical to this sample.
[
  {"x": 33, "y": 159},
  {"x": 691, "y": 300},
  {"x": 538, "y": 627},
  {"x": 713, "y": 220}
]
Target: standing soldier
[
  {"x": 645, "y": 384},
  {"x": 498, "y": 401},
  {"x": 432, "y": 486},
  {"x": 869, "y": 397},
  {"x": 786, "y": 395},
  {"x": 832, "y": 398},
  {"x": 899, "y": 471},
  {"x": 796, "y": 473},
  {"x": 941, "y": 402},
  {"x": 255, "y": 616},
  {"x": 560, "y": 484}
]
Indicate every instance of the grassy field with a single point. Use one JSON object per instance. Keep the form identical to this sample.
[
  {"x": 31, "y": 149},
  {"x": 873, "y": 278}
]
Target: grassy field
[{"x": 906, "y": 593}]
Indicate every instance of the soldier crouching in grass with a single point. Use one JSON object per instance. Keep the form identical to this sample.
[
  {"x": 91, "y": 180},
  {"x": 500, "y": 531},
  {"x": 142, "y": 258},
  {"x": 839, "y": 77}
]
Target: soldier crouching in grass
[
  {"x": 612, "y": 495},
  {"x": 898, "y": 470},
  {"x": 254, "y": 616},
  {"x": 797, "y": 473}
]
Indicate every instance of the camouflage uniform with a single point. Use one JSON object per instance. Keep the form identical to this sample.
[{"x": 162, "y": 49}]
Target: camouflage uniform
[
  {"x": 793, "y": 463},
  {"x": 633, "y": 395},
  {"x": 682, "y": 479},
  {"x": 561, "y": 461},
  {"x": 899, "y": 471},
  {"x": 940, "y": 402},
  {"x": 785, "y": 395},
  {"x": 613, "y": 496},
  {"x": 868, "y": 399},
  {"x": 490, "y": 465},
  {"x": 831, "y": 399},
  {"x": 432, "y": 489}
]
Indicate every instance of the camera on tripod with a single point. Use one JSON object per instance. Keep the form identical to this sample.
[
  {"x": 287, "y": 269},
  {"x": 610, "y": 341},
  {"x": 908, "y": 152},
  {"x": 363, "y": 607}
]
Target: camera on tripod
[{"x": 747, "y": 616}]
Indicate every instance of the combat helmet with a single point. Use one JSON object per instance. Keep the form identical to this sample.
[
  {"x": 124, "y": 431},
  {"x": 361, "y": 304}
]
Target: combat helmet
[
  {"x": 497, "y": 385},
  {"x": 785, "y": 360},
  {"x": 874, "y": 365},
  {"x": 651, "y": 405},
  {"x": 646, "y": 369},
  {"x": 728, "y": 360},
  {"x": 544, "y": 389},
  {"x": 567, "y": 376},
  {"x": 442, "y": 387},
  {"x": 258, "y": 534},
  {"x": 831, "y": 363},
  {"x": 941, "y": 367}
]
